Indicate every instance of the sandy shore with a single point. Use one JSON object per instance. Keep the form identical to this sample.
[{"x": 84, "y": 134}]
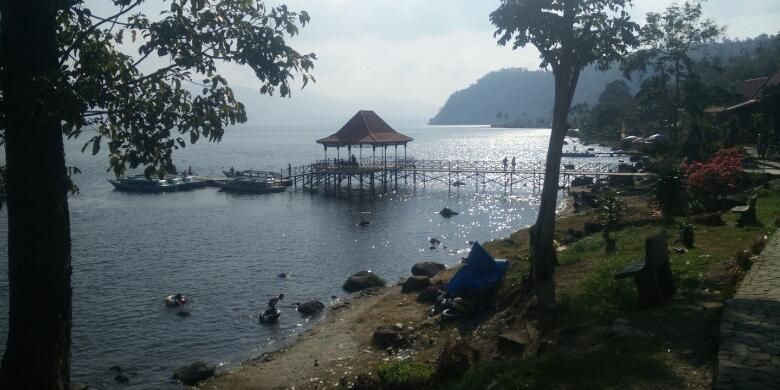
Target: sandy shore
[{"x": 336, "y": 349}]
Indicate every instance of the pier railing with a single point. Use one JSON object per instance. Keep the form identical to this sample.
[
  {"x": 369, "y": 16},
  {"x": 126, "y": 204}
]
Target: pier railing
[{"x": 368, "y": 164}]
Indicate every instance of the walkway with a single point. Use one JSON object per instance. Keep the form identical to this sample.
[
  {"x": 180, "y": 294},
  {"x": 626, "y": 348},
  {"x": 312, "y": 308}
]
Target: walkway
[{"x": 749, "y": 356}]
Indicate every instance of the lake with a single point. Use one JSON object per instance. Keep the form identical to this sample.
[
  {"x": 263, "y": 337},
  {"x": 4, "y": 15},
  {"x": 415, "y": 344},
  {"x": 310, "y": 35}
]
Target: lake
[{"x": 225, "y": 251}]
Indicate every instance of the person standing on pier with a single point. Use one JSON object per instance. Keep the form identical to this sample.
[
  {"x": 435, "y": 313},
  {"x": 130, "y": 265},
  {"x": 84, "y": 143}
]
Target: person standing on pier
[
  {"x": 289, "y": 170},
  {"x": 513, "y": 163},
  {"x": 504, "y": 162}
]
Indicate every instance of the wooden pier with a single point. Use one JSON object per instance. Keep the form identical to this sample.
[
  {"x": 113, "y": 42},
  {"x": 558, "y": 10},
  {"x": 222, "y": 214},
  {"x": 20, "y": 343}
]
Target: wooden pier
[{"x": 380, "y": 176}]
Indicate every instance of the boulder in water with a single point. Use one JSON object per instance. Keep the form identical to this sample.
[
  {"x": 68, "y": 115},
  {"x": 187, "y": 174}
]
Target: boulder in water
[
  {"x": 362, "y": 280},
  {"x": 310, "y": 307},
  {"x": 427, "y": 268},
  {"x": 194, "y": 373},
  {"x": 447, "y": 212},
  {"x": 415, "y": 284}
]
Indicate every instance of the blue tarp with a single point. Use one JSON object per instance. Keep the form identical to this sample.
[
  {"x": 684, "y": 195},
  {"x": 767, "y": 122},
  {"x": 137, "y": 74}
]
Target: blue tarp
[{"x": 480, "y": 271}]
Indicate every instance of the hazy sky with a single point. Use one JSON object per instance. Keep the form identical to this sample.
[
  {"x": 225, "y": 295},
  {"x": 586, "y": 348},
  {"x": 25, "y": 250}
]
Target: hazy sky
[{"x": 424, "y": 50}]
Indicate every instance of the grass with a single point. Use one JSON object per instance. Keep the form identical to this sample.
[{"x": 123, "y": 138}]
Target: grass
[
  {"x": 405, "y": 374},
  {"x": 683, "y": 350}
]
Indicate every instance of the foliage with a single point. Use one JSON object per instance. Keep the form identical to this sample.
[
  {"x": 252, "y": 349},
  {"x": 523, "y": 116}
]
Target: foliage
[
  {"x": 666, "y": 43},
  {"x": 719, "y": 176},
  {"x": 687, "y": 236},
  {"x": 142, "y": 115},
  {"x": 405, "y": 374},
  {"x": 669, "y": 192},
  {"x": 610, "y": 210},
  {"x": 608, "y": 118},
  {"x": 569, "y": 35}
]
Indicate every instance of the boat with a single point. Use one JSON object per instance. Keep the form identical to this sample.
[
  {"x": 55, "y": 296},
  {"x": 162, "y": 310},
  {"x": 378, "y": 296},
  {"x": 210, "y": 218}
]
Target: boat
[
  {"x": 251, "y": 185},
  {"x": 141, "y": 183},
  {"x": 277, "y": 178}
]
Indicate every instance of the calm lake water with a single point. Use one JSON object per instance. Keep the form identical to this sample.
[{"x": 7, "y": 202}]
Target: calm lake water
[{"x": 225, "y": 251}]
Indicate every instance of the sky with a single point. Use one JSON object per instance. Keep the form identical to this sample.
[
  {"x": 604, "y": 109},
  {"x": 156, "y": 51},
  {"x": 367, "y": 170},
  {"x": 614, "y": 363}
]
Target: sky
[{"x": 424, "y": 50}]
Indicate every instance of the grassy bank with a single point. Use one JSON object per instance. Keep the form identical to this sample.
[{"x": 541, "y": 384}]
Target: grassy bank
[{"x": 579, "y": 351}]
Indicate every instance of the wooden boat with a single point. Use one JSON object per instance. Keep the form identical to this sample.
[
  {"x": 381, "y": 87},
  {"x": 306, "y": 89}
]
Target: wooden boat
[
  {"x": 250, "y": 185},
  {"x": 141, "y": 183}
]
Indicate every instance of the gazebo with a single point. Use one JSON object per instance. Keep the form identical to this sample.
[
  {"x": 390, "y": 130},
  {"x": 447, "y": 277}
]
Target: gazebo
[{"x": 364, "y": 129}]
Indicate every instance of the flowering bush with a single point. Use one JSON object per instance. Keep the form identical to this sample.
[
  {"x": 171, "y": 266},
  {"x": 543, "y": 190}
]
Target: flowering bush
[{"x": 719, "y": 176}]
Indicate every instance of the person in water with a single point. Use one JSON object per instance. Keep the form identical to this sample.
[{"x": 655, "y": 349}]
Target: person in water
[{"x": 273, "y": 301}]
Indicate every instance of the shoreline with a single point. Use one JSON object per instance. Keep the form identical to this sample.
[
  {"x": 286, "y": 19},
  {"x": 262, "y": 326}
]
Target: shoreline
[{"x": 344, "y": 330}]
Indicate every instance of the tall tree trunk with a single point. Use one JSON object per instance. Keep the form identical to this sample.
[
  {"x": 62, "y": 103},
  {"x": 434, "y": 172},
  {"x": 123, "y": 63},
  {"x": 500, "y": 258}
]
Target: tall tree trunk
[
  {"x": 542, "y": 233},
  {"x": 37, "y": 354}
]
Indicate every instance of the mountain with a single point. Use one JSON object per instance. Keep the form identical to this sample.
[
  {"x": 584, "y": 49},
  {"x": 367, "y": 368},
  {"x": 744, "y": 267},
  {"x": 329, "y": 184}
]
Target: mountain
[
  {"x": 310, "y": 108},
  {"x": 517, "y": 95},
  {"x": 520, "y": 96}
]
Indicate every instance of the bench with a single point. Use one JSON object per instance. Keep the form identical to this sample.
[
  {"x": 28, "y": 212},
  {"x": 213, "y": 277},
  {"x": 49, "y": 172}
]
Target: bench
[
  {"x": 747, "y": 213},
  {"x": 653, "y": 274}
]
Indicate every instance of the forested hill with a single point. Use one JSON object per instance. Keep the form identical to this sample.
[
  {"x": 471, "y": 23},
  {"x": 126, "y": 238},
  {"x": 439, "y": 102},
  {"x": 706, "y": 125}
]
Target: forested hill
[
  {"x": 522, "y": 97},
  {"x": 516, "y": 95}
]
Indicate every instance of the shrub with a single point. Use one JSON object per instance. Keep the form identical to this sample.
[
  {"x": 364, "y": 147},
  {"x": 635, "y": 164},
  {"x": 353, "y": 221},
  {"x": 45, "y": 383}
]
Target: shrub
[
  {"x": 670, "y": 193},
  {"x": 720, "y": 176},
  {"x": 405, "y": 374},
  {"x": 610, "y": 212},
  {"x": 686, "y": 234}
]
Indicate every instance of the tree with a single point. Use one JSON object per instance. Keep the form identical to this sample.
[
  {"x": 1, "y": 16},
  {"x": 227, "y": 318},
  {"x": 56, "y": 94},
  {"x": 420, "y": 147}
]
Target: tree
[
  {"x": 666, "y": 42},
  {"x": 62, "y": 73},
  {"x": 569, "y": 35}
]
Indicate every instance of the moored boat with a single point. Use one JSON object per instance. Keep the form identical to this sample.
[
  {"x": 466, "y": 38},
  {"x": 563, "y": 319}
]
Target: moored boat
[
  {"x": 141, "y": 183},
  {"x": 251, "y": 185}
]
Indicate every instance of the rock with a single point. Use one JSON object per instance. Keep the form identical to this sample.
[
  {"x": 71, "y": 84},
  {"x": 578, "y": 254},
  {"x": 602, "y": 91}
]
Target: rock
[
  {"x": 415, "y": 284},
  {"x": 390, "y": 336},
  {"x": 310, "y": 307},
  {"x": 624, "y": 328},
  {"x": 511, "y": 343},
  {"x": 120, "y": 378},
  {"x": 446, "y": 212},
  {"x": 427, "y": 268},
  {"x": 758, "y": 245},
  {"x": 194, "y": 373},
  {"x": 362, "y": 280},
  {"x": 429, "y": 295}
]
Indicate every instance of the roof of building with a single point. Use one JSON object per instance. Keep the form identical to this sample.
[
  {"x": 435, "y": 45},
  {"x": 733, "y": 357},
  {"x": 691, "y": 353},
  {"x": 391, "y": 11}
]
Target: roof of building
[
  {"x": 750, "y": 88},
  {"x": 365, "y": 128}
]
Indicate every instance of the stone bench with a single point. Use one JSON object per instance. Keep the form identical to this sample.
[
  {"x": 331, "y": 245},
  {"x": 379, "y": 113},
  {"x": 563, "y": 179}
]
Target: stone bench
[
  {"x": 653, "y": 274},
  {"x": 747, "y": 213}
]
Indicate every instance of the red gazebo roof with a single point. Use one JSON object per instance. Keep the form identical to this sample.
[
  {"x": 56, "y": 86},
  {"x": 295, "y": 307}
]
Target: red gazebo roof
[{"x": 365, "y": 128}]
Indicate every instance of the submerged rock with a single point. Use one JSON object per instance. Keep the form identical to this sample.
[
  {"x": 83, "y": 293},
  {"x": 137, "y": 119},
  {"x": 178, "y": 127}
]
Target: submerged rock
[
  {"x": 362, "y": 280},
  {"x": 194, "y": 373},
  {"x": 427, "y": 268},
  {"x": 415, "y": 284},
  {"x": 447, "y": 212},
  {"x": 310, "y": 307}
]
